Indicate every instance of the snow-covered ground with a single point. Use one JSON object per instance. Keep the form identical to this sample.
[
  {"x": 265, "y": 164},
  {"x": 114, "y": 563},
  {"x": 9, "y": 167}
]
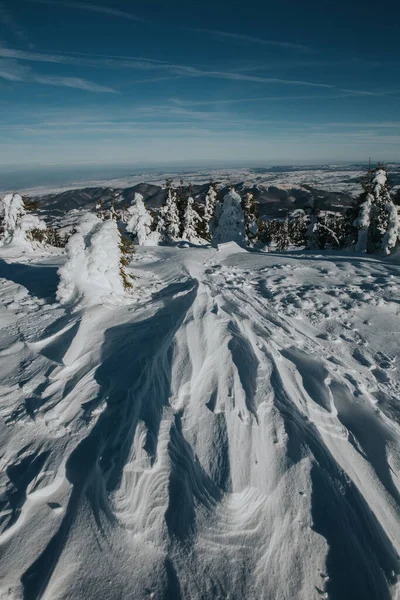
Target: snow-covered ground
[{"x": 231, "y": 432}]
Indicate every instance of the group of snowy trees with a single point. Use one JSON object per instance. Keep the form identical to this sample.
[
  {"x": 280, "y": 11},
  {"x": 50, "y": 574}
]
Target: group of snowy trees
[
  {"x": 370, "y": 225},
  {"x": 182, "y": 219},
  {"x": 21, "y": 227}
]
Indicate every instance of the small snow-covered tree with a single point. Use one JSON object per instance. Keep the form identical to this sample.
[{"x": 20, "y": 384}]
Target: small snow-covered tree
[
  {"x": 313, "y": 233},
  {"x": 21, "y": 228},
  {"x": 191, "y": 221},
  {"x": 181, "y": 196},
  {"x": 95, "y": 267},
  {"x": 298, "y": 225},
  {"x": 139, "y": 222},
  {"x": 363, "y": 221},
  {"x": 209, "y": 212},
  {"x": 250, "y": 217},
  {"x": 283, "y": 235},
  {"x": 376, "y": 220},
  {"x": 170, "y": 216},
  {"x": 231, "y": 222}
]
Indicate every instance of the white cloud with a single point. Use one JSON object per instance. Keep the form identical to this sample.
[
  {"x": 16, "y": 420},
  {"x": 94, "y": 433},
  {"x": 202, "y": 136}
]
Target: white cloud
[
  {"x": 143, "y": 64},
  {"x": 256, "y": 40},
  {"x": 11, "y": 70}
]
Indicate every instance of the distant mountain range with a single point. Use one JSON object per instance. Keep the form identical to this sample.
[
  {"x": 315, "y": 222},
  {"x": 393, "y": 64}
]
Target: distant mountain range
[{"x": 277, "y": 190}]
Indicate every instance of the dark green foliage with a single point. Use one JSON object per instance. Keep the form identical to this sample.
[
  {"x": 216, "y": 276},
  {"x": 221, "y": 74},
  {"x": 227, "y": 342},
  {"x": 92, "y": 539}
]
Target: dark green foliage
[
  {"x": 54, "y": 238},
  {"x": 30, "y": 205},
  {"x": 37, "y": 235},
  {"x": 249, "y": 208},
  {"x": 127, "y": 249}
]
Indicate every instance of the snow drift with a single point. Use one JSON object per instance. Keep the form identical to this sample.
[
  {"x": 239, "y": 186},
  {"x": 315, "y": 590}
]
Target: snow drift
[{"x": 234, "y": 435}]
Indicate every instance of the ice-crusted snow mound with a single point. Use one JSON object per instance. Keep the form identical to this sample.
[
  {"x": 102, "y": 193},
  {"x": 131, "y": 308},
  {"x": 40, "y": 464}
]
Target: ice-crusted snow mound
[
  {"x": 230, "y": 226},
  {"x": 92, "y": 269},
  {"x": 139, "y": 223},
  {"x": 236, "y": 435}
]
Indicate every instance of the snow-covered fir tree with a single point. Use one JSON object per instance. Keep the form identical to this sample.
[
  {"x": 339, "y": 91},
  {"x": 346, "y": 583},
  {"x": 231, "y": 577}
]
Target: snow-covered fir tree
[
  {"x": 313, "y": 233},
  {"x": 139, "y": 222},
  {"x": 250, "y": 217},
  {"x": 96, "y": 263},
  {"x": 21, "y": 228},
  {"x": 363, "y": 221},
  {"x": 329, "y": 231},
  {"x": 181, "y": 196},
  {"x": 298, "y": 226},
  {"x": 231, "y": 222},
  {"x": 170, "y": 216},
  {"x": 191, "y": 220},
  {"x": 376, "y": 219},
  {"x": 209, "y": 212},
  {"x": 385, "y": 221},
  {"x": 282, "y": 238}
]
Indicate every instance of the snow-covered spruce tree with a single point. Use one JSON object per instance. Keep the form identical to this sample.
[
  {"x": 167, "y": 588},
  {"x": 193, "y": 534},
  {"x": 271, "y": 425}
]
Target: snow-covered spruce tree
[
  {"x": 209, "y": 212},
  {"x": 374, "y": 215},
  {"x": 95, "y": 268},
  {"x": 329, "y": 231},
  {"x": 181, "y": 196},
  {"x": 391, "y": 237},
  {"x": 250, "y": 217},
  {"x": 363, "y": 222},
  {"x": 21, "y": 228},
  {"x": 230, "y": 226},
  {"x": 191, "y": 222},
  {"x": 359, "y": 216},
  {"x": 298, "y": 226},
  {"x": 385, "y": 225},
  {"x": 268, "y": 232},
  {"x": 170, "y": 216},
  {"x": 283, "y": 235},
  {"x": 313, "y": 237},
  {"x": 139, "y": 221}
]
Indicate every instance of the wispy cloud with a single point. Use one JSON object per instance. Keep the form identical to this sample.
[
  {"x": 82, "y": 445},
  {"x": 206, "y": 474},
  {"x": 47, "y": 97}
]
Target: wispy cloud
[
  {"x": 92, "y": 7},
  {"x": 144, "y": 64},
  {"x": 11, "y": 70},
  {"x": 255, "y": 99},
  {"x": 256, "y": 40}
]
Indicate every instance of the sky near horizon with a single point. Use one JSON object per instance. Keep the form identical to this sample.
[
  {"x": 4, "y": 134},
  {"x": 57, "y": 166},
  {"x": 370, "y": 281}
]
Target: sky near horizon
[{"x": 152, "y": 82}]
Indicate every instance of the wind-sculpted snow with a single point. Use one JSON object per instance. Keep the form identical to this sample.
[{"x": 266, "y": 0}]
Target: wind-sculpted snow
[{"x": 232, "y": 432}]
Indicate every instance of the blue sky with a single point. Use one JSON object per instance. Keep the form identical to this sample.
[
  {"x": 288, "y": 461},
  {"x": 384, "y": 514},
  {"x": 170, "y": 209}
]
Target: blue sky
[{"x": 151, "y": 82}]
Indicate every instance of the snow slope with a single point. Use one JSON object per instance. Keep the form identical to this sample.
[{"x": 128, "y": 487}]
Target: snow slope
[{"x": 231, "y": 432}]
